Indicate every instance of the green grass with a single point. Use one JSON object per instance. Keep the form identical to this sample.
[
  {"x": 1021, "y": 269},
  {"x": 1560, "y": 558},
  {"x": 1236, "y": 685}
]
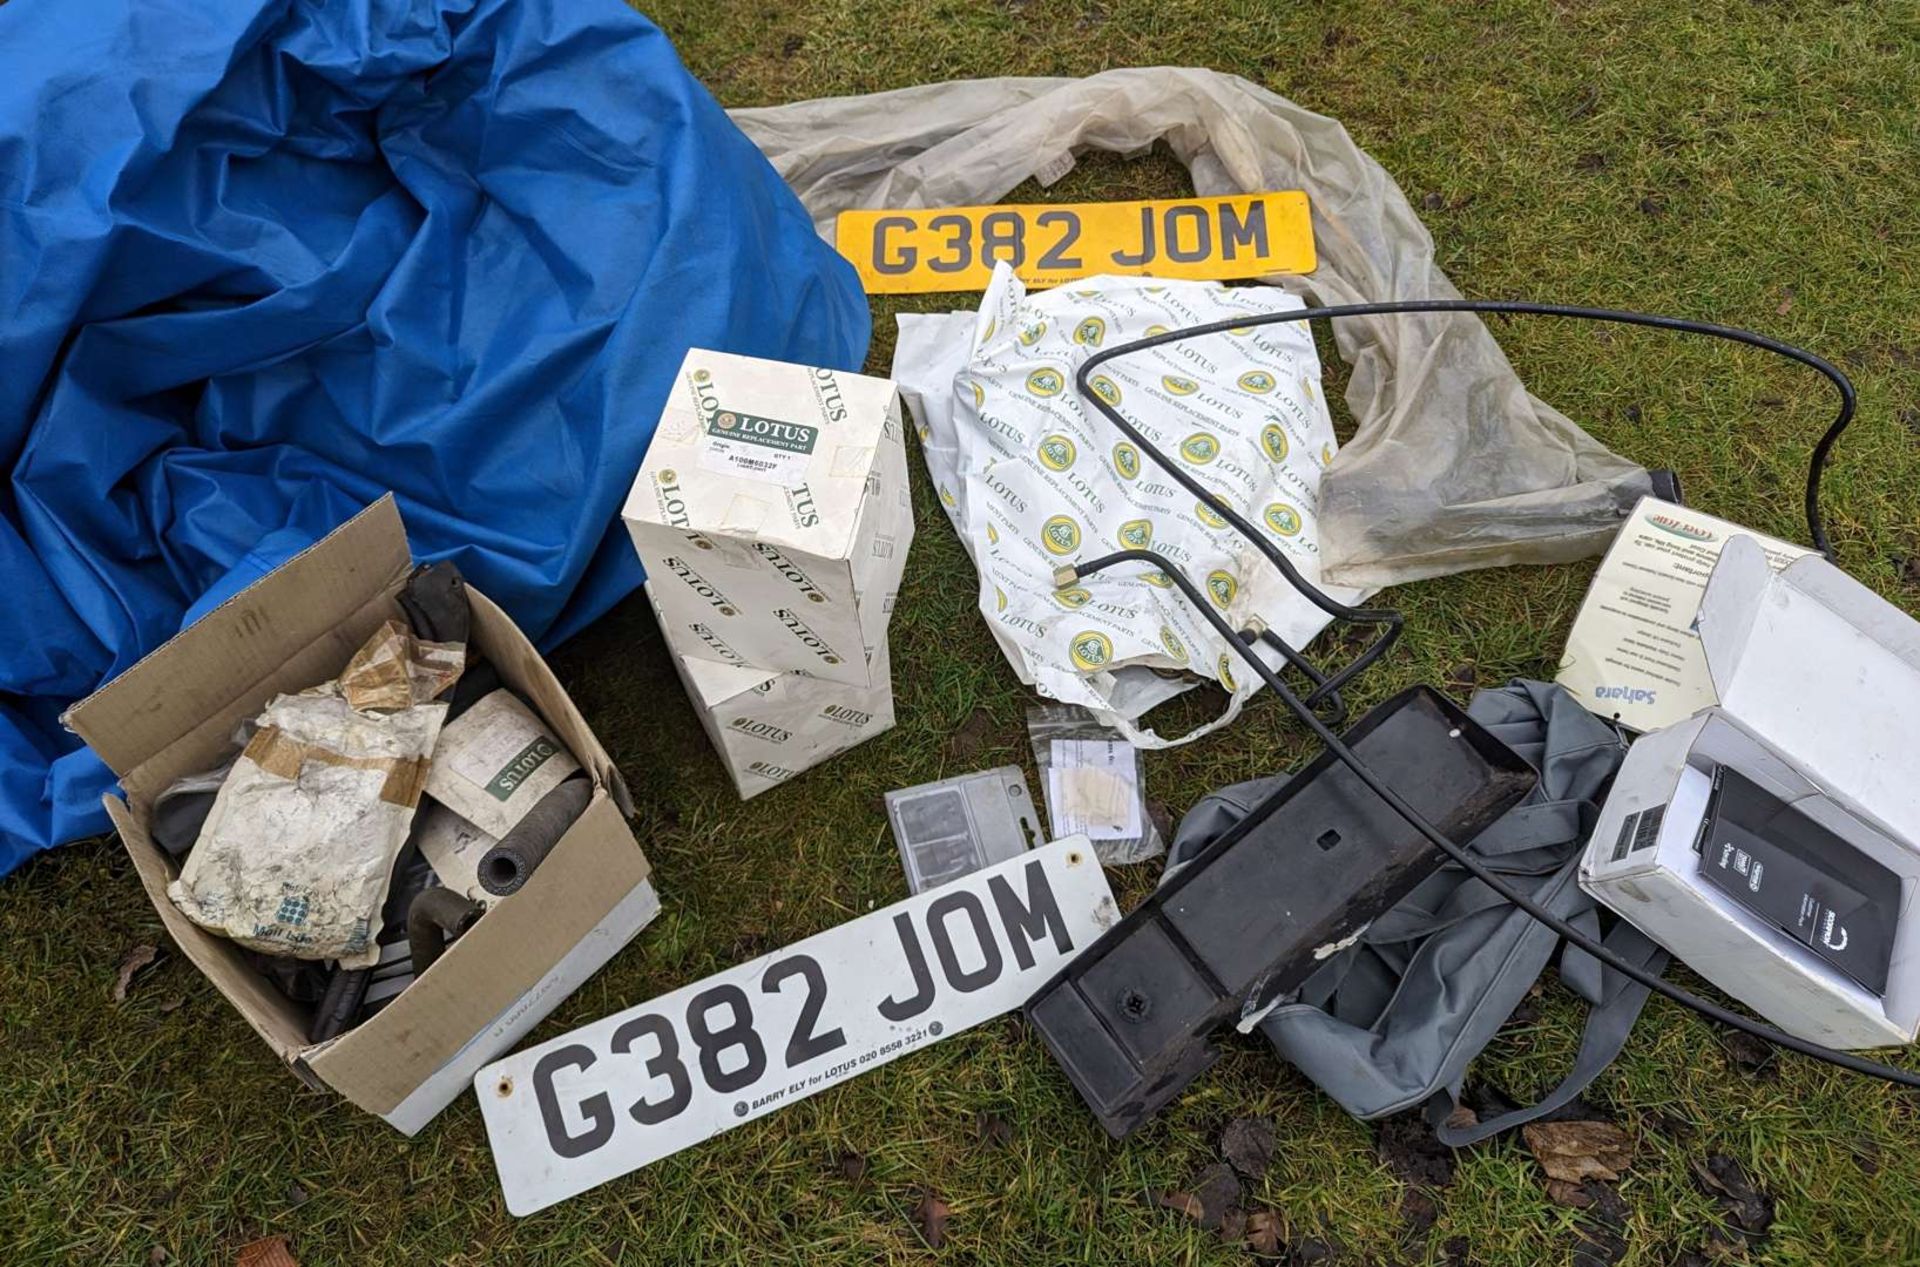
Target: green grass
[{"x": 1746, "y": 162}]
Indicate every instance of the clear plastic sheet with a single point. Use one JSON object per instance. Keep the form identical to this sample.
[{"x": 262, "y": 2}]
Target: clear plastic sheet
[{"x": 1454, "y": 466}]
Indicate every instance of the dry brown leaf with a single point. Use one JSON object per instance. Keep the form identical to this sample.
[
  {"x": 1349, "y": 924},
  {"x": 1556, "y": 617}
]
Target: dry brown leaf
[
  {"x": 136, "y": 959},
  {"x": 930, "y": 1218},
  {"x": 1572, "y": 1195},
  {"x": 1247, "y": 1144},
  {"x": 1574, "y": 1152},
  {"x": 268, "y": 1251},
  {"x": 993, "y": 1129},
  {"x": 1265, "y": 1237},
  {"x": 1185, "y": 1202}
]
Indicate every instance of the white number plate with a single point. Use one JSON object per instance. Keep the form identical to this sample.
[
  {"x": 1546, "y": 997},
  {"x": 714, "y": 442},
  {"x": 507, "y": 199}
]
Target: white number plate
[{"x": 645, "y": 1083}]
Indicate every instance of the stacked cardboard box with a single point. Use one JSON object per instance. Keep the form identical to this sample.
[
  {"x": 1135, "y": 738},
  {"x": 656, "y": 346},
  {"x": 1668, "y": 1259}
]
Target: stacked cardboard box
[{"x": 773, "y": 520}]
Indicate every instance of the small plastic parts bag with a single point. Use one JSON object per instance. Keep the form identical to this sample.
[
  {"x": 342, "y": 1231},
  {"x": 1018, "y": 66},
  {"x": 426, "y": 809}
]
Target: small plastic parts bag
[
  {"x": 1094, "y": 784},
  {"x": 1454, "y": 465},
  {"x": 297, "y": 853}
]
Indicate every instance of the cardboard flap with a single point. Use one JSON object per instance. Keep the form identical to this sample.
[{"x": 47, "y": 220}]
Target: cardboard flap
[
  {"x": 1825, "y": 671},
  {"x": 239, "y": 643},
  {"x": 1727, "y": 611}
]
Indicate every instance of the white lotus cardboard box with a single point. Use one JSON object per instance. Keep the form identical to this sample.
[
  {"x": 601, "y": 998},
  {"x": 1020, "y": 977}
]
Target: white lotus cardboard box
[
  {"x": 768, "y": 726},
  {"x": 1818, "y": 679},
  {"x": 772, "y": 515}
]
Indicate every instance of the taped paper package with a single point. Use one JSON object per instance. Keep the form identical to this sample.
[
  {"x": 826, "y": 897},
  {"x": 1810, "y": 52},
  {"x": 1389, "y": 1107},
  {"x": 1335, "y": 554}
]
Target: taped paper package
[
  {"x": 768, "y": 727},
  {"x": 772, "y": 515},
  {"x": 1033, "y": 478},
  {"x": 298, "y": 850}
]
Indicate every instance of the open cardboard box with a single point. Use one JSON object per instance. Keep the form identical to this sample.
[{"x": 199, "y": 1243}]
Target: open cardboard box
[
  {"x": 175, "y": 712},
  {"x": 1819, "y": 686}
]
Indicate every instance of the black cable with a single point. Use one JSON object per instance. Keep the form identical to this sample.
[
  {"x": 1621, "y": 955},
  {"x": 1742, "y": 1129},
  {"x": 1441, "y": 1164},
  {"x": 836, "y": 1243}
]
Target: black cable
[
  {"x": 1302, "y": 708},
  {"x": 1816, "y": 523}
]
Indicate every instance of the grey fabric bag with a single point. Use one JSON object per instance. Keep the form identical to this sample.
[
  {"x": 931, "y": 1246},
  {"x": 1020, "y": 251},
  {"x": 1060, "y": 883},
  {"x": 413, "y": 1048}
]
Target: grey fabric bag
[{"x": 1392, "y": 1022}]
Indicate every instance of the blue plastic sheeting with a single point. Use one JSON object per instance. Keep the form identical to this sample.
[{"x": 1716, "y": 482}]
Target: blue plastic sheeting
[{"x": 261, "y": 262}]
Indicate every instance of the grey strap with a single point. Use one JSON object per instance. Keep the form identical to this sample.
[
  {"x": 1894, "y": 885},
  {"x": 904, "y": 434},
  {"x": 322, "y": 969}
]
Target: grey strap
[{"x": 1609, "y": 1021}]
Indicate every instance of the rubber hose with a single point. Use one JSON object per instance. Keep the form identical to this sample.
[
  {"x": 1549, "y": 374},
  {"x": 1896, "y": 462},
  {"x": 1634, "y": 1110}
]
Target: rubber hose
[
  {"x": 434, "y": 918},
  {"x": 508, "y": 865}
]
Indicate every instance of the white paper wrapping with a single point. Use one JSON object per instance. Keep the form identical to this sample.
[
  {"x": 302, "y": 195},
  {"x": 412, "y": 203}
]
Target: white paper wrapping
[{"x": 1033, "y": 479}]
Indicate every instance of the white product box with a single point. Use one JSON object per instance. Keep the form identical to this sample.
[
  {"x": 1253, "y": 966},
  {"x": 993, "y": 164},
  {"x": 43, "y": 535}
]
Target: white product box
[
  {"x": 769, "y": 726},
  {"x": 1819, "y": 686},
  {"x": 772, "y": 515}
]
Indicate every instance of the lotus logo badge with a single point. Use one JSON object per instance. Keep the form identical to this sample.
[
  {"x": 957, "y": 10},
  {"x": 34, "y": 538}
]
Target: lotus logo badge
[
  {"x": 1283, "y": 519},
  {"x": 702, "y": 376},
  {"x": 1156, "y": 330},
  {"x": 1032, "y": 334},
  {"x": 946, "y": 499},
  {"x": 1136, "y": 534},
  {"x": 1257, "y": 381},
  {"x": 1179, "y": 386},
  {"x": 1126, "y": 460},
  {"x": 1073, "y": 596},
  {"x": 1000, "y": 598},
  {"x": 1273, "y": 442},
  {"x": 1208, "y": 516},
  {"x": 1326, "y": 455},
  {"x": 1171, "y": 641},
  {"x": 1060, "y": 535},
  {"x": 1090, "y": 332},
  {"x": 993, "y": 535},
  {"x": 727, "y": 421},
  {"x": 1104, "y": 388},
  {"x": 1157, "y": 578},
  {"x": 1199, "y": 448},
  {"x": 1090, "y": 650},
  {"x": 1223, "y": 587},
  {"x": 1225, "y": 669},
  {"x": 1056, "y": 453},
  {"x": 1045, "y": 382},
  {"x": 979, "y": 395}
]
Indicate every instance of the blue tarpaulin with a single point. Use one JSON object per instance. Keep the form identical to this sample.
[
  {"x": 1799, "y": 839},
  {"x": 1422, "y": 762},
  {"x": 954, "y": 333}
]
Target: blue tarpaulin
[{"x": 262, "y": 261}]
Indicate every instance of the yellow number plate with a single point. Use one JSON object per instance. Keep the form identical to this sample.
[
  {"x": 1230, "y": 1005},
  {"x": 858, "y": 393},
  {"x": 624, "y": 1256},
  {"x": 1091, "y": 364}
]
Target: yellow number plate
[{"x": 955, "y": 248}]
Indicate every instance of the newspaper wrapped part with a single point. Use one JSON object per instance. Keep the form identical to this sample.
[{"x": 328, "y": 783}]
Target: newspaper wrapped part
[
  {"x": 397, "y": 670},
  {"x": 298, "y": 850}
]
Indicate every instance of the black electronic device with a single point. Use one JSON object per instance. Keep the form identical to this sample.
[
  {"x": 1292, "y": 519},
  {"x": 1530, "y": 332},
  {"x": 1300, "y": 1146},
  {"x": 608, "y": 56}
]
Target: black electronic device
[
  {"x": 1800, "y": 877},
  {"x": 1255, "y": 913}
]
